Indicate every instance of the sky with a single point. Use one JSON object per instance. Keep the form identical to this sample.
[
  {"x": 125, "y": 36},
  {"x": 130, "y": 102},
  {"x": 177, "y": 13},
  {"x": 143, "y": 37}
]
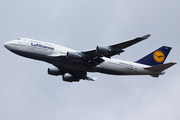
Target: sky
[{"x": 26, "y": 90}]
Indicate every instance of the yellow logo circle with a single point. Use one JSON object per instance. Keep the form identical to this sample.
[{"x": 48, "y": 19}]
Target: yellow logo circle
[{"x": 159, "y": 56}]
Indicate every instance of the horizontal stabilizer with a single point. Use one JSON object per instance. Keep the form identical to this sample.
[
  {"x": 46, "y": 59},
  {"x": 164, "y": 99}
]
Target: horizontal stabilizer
[{"x": 161, "y": 67}]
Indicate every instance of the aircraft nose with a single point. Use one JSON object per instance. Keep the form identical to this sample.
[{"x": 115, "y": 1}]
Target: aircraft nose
[{"x": 6, "y": 45}]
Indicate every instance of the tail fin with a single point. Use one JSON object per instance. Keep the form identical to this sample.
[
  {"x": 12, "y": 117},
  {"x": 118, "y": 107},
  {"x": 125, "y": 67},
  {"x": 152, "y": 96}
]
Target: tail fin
[{"x": 157, "y": 57}]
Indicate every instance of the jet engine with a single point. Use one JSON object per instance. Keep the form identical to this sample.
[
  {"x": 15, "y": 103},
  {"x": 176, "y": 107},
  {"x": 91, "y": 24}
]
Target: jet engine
[
  {"x": 69, "y": 78},
  {"x": 102, "y": 50},
  {"x": 73, "y": 55},
  {"x": 54, "y": 71}
]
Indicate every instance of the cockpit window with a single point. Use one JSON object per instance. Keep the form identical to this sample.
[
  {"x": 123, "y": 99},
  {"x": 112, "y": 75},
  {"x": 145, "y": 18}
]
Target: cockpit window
[{"x": 18, "y": 38}]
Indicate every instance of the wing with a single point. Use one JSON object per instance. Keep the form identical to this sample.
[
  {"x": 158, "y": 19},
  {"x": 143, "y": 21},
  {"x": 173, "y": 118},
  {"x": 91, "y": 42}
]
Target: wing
[{"x": 112, "y": 50}]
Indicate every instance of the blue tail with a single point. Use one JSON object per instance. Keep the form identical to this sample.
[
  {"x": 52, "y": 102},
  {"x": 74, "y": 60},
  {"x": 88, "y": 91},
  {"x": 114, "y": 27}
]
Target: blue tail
[{"x": 157, "y": 57}]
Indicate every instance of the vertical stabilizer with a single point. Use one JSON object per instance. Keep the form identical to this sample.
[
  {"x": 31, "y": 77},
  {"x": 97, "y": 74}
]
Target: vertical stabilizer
[{"x": 155, "y": 58}]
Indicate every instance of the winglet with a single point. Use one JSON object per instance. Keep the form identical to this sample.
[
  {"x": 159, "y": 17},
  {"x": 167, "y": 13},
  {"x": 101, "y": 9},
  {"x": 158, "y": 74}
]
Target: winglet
[{"x": 146, "y": 36}]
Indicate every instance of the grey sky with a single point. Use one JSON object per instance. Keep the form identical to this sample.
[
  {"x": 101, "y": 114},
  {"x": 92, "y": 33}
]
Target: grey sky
[{"x": 28, "y": 92}]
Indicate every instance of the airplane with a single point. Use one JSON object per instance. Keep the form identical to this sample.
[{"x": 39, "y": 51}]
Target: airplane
[{"x": 73, "y": 65}]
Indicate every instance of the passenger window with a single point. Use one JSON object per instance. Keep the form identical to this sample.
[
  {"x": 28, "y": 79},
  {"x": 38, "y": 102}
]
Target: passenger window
[{"x": 18, "y": 38}]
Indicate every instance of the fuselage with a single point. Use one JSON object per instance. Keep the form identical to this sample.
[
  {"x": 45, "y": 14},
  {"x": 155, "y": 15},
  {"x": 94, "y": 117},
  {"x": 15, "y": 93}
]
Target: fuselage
[{"x": 56, "y": 55}]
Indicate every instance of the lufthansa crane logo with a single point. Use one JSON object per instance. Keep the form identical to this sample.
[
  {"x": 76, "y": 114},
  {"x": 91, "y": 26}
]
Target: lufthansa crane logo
[{"x": 159, "y": 56}]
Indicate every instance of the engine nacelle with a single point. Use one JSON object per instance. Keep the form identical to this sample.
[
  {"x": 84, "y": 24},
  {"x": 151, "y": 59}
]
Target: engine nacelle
[
  {"x": 54, "y": 71},
  {"x": 69, "y": 78},
  {"x": 73, "y": 55},
  {"x": 102, "y": 50}
]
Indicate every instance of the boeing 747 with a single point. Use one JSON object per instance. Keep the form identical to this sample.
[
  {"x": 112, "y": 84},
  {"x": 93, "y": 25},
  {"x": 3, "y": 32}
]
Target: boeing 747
[{"x": 73, "y": 65}]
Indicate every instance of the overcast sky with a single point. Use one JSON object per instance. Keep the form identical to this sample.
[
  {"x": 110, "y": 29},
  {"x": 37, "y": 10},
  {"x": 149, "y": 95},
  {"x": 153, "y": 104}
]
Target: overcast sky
[{"x": 27, "y": 92}]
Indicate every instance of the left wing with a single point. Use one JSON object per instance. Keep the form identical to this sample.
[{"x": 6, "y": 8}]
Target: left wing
[
  {"x": 112, "y": 50},
  {"x": 109, "y": 51}
]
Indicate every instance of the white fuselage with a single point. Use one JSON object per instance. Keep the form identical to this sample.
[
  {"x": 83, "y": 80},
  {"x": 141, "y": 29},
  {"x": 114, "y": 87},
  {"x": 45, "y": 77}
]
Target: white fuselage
[{"x": 52, "y": 53}]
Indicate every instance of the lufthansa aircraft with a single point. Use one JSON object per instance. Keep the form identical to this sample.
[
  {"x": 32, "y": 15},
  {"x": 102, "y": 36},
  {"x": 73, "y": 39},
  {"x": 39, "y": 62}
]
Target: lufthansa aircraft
[{"x": 73, "y": 65}]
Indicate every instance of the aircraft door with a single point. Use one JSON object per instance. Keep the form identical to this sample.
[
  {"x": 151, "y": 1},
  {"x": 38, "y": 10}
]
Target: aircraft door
[
  {"x": 50, "y": 51},
  {"x": 135, "y": 69},
  {"x": 28, "y": 46},
  {"x": 18, "y": 45}
]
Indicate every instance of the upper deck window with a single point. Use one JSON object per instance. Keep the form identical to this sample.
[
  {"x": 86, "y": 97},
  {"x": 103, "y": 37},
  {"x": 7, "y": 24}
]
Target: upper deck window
[{"x": 18, "y": 38}]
